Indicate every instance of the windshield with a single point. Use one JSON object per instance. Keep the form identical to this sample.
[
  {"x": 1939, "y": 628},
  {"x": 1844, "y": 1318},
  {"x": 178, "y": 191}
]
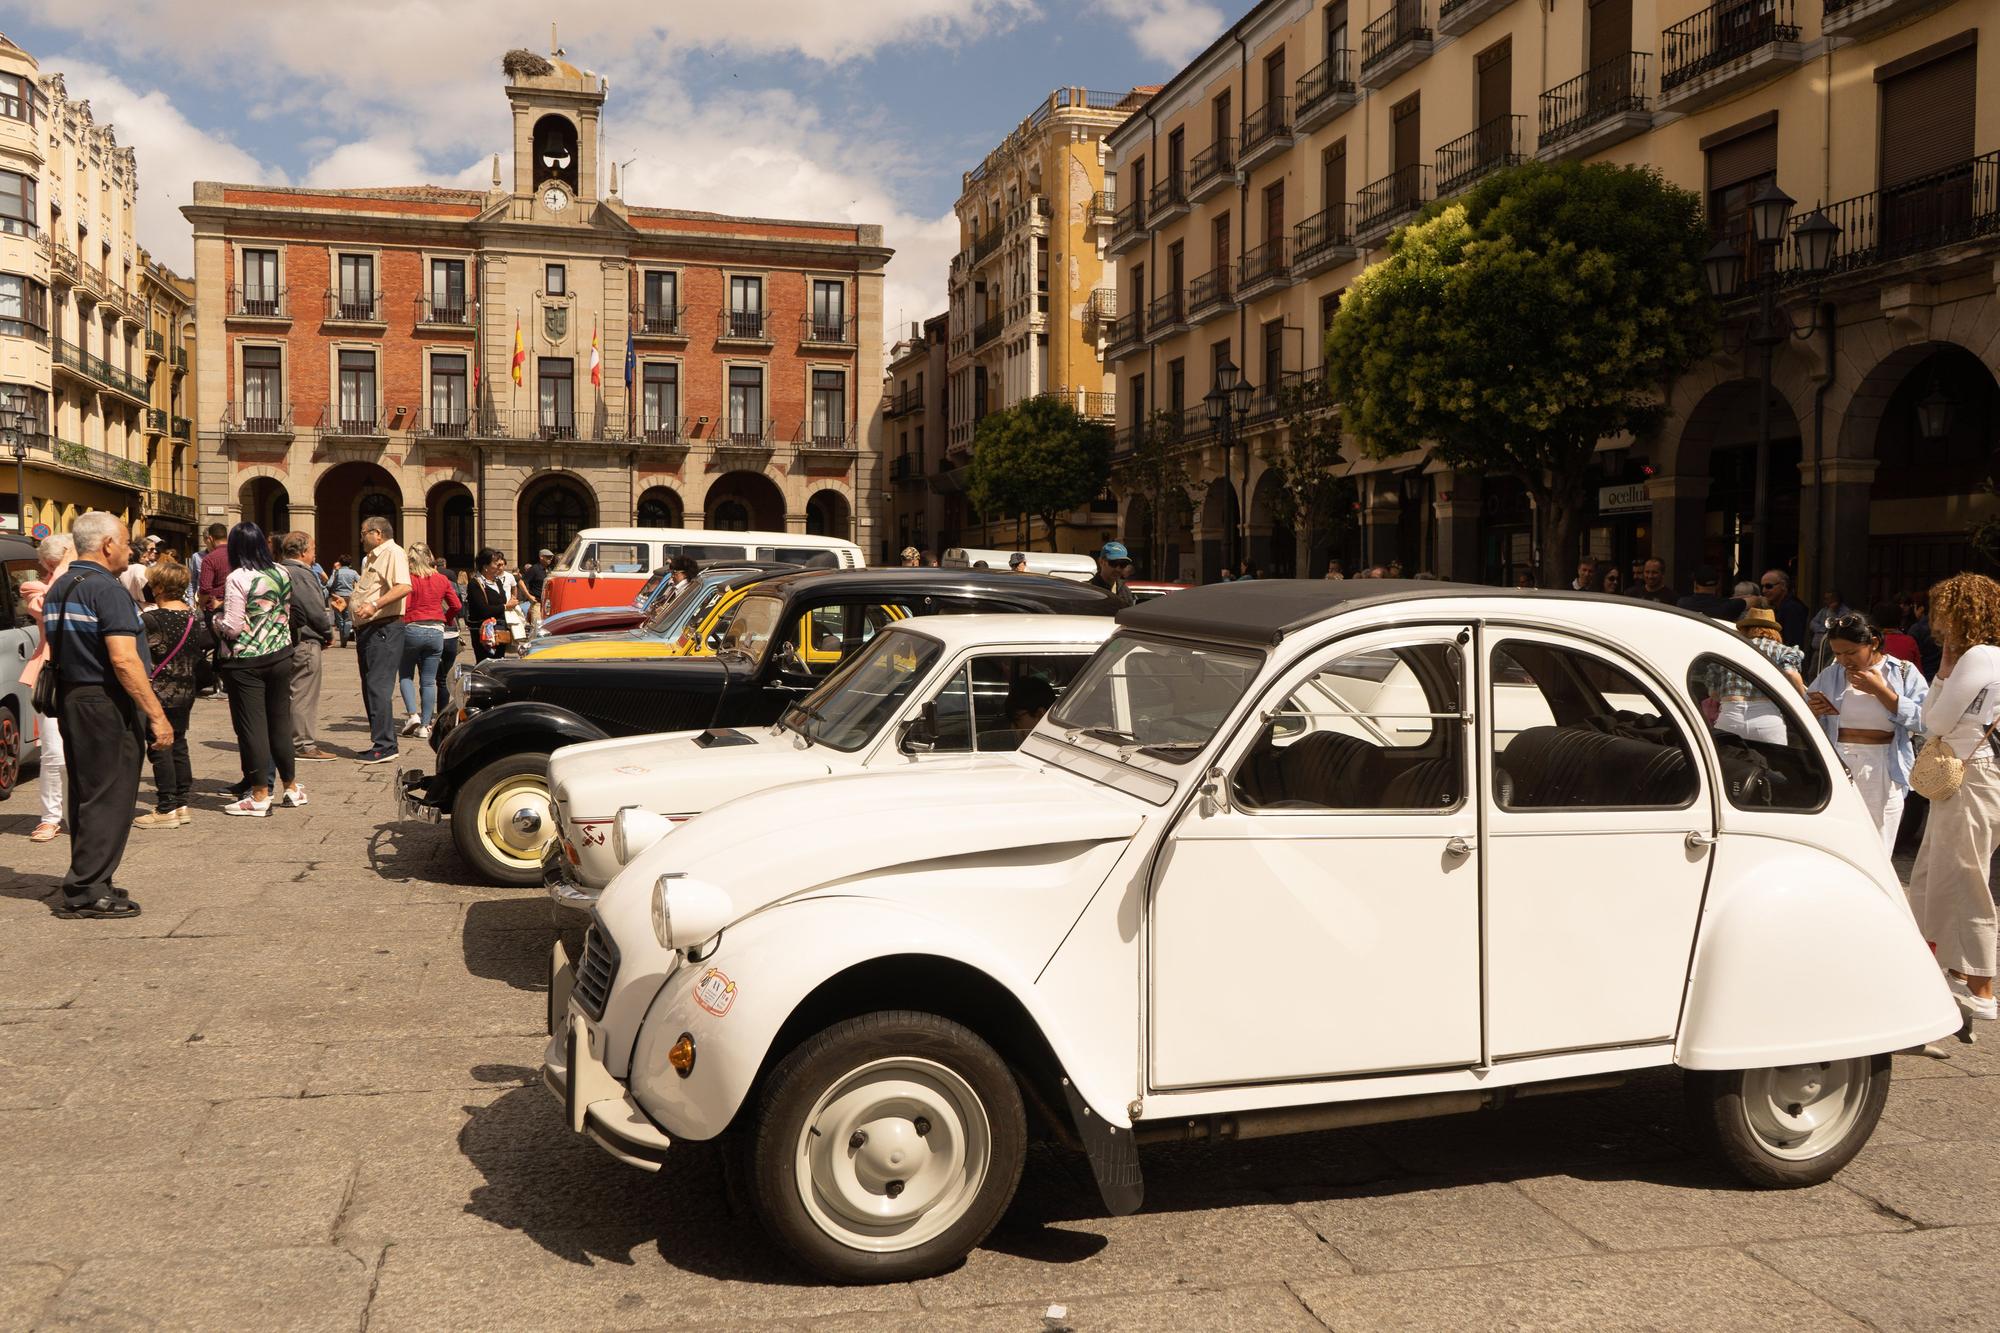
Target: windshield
[
  {"x": 867, "y": 690},
  {"x": 1162, "y": 699},
  {"x": 652, "y": 586},
  {"x": 751, "y": 627},
  {"x": 668, "y": 619}
]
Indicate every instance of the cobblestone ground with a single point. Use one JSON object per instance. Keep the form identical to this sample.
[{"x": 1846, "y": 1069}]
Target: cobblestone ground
[{"x": 300, "y": 1092}]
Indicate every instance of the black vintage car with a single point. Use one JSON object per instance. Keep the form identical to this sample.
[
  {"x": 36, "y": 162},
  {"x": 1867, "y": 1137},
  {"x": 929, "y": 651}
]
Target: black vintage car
[{"x": 787, "y": 634}]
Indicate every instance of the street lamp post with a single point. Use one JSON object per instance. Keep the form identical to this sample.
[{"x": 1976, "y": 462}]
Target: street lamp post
[
  {"x": 1815, "y": 237},
  {"x": 1228, "y": 406},
  {"x": 13, "y": 414}
]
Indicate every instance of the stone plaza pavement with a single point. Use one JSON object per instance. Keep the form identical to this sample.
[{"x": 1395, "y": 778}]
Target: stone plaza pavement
[{"x": 300, "y": 1092}]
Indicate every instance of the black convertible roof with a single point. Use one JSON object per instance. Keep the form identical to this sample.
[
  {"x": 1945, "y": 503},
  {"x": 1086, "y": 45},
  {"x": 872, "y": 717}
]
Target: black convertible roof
[
  {"x": 1028, "y": 590},
  {"x": 1261, "y": 612}
]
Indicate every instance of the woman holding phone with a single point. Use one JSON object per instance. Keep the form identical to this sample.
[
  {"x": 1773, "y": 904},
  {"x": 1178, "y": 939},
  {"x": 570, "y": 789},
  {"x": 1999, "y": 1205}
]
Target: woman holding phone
[{"x": 1871, "y": 705}]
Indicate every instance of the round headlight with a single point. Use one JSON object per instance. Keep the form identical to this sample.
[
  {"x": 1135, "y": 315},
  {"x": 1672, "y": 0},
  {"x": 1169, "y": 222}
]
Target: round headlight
[
  {"x": 634, "y": 829},
  {"x": 688, "y": 911},
  {"x": 663, "y": 921}
]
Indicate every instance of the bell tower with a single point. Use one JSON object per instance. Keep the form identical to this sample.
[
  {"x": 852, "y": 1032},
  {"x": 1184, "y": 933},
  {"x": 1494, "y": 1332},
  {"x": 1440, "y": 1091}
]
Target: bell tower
[{"x": 556, "y": 109}]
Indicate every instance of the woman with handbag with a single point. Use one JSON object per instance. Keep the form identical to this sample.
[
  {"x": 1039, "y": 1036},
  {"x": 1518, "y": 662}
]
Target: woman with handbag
[
  {"x": 1959, "y": 775},
  {"x": 54, "y": 555},
  {"x": 486, "y": 606},
  {"x": 257, "y": 621},
  {"x": 1870, "y": 705},
  {"x": 177, "y": 638}
]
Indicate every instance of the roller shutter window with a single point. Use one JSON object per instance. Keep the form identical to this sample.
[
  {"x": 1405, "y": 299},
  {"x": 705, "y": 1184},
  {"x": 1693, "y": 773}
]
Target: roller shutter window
[
  {"x": 1925, "y": 172},
  {"x": 1333, "y": 176},
  {"x": 1496, "y": 82},
  {"x": 1610, "y": 53},
  {"x": 1407, "y": 134},
  {"x": 1737, "y": 168}
]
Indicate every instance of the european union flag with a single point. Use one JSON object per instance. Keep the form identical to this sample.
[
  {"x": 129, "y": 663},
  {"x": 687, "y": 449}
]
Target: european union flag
[{"x": 631, "y": 361}]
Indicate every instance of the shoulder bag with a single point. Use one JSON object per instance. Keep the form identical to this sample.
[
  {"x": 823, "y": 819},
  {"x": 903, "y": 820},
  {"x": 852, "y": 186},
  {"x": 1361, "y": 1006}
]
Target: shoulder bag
[
  {"x": 1937, "y": 773},
  {"x": 185, "y": 631},
  {"x": 48, "y": 686}
]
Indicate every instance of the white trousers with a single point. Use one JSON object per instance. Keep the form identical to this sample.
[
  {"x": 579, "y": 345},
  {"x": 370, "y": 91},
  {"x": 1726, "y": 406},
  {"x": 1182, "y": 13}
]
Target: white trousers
[
  {"x": 54, "y": 778},
  {"x": 1948, "y": 886},
  {"x": 1752, "y": 719},
  {"x": 1870, "y": 766}
]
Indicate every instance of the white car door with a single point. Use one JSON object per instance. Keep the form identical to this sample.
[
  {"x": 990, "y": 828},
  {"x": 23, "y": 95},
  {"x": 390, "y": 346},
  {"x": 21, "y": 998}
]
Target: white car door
[
  {"x": 1599, "y": 825},
  {"x": 1325, "y": 921},
  {"x": 20, "y": 734}
]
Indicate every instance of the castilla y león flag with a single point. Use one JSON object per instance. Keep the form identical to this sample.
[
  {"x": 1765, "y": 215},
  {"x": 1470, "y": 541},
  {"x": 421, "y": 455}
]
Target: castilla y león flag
[
  {"x": 596, "y": 364},
  {"x": 520, "y": 351}
]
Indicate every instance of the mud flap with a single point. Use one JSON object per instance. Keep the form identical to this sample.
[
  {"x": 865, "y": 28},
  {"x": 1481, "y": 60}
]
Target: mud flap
[{"x": 1114, "y": 1155}]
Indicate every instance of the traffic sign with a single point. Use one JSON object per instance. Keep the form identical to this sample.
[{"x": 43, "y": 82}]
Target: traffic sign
[{"x": 40, "y": 530}]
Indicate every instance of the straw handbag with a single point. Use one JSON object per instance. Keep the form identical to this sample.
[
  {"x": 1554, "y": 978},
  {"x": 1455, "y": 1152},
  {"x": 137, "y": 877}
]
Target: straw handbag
[{"x": 1937, "y": 772}]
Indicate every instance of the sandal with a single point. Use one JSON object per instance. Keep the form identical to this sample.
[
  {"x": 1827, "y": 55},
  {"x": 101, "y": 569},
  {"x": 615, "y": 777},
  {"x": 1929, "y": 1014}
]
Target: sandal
[
  {"x": 107, "y": 908},
  {"x": 45, "y": 832}
]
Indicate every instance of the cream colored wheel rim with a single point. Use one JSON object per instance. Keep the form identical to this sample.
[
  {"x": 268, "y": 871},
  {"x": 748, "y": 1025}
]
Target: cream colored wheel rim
[
  {"x": 1799, "y": 1112},
  {"x": 515, "y": 820}
]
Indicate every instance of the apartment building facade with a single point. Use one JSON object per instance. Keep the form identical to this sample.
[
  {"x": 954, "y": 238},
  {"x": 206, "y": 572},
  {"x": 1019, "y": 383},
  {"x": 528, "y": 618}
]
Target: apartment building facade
[
  {"x": 167, "y": 350},
  {"x": 924, "y": 512},
  {"x": 510, "y": 366},
  {"x": 1029, "y": 289},
  {"x": 75, "y": 303},
  {"x": 1267, "y": 173}
]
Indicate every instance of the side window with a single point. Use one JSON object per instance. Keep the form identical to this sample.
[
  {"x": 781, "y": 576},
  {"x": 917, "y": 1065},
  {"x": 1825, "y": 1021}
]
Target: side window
[
  {"x": 15, "y": 605},
  {"x": 1768, "y": 760},
  {"x": 1573, "y": 732},
  {"x": 954, "y": 714},
  {"x": 1012, "y": 691},
  {"x": 1377, "y": 729},
  {"x": 827, "y": 634}
]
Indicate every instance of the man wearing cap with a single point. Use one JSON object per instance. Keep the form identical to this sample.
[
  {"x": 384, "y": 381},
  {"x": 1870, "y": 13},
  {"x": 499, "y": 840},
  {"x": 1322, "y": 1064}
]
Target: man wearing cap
[
  {"x": 1114, "y": 566},
  {"x": 1017, "y": 563},
  {"x": 534, "y": 578}
]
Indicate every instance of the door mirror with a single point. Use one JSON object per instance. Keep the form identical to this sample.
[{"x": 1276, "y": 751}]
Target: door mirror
[{"x": 920, "y": 732}]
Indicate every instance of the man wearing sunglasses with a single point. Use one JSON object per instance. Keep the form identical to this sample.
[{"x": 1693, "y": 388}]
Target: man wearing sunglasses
[
  {"x": 1114, "y": 566},
  {"x": 1794, "y": 620}
]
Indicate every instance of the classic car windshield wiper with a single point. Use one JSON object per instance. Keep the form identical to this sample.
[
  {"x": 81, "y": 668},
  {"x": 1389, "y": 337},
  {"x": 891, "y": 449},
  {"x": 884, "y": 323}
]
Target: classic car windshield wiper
[
  {"x": 1111, "y": 734},
  {"x": 808, "y": 711},
  {"x": 1160, "y": 747}
]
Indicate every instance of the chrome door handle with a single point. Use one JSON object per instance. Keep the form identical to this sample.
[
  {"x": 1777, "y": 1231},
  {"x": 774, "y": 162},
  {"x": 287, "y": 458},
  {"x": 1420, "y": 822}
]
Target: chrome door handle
[
  {"x": 1697, "y": 840},
  {"x": 1458, "y": 847}
]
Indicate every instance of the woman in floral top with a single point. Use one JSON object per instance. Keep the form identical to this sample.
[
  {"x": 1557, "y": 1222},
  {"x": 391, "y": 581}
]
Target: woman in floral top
[
  {"x": 257, "y": 621},
  {"x": 1745, "y": 709},
  {"x": 176, "y": 639}
]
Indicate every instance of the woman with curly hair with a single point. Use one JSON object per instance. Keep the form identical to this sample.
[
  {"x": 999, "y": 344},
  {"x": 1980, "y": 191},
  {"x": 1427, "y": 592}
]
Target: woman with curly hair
[{"x": 1948, "y": 886}]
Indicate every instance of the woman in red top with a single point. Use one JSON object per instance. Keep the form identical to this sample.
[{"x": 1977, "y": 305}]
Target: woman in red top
[
  {"x": 1894, "y": 641},
  {"x": 432, "y": 601}
]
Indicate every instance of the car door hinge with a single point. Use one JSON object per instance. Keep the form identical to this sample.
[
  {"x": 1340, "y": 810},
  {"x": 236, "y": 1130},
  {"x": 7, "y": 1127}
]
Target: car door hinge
[{"x": 1135, "y": 1108}]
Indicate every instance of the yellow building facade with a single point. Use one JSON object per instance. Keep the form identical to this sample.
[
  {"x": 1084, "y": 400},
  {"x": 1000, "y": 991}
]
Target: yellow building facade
[
  {"x": 1029, "y": 289},
  {"x": 168, "y": 344},
  {"x": 1265, "y": 175}
]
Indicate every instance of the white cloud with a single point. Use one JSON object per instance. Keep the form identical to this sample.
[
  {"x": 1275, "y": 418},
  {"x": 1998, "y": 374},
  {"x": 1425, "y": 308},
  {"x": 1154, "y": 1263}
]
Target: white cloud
[{"x": 1173, "y": 31}]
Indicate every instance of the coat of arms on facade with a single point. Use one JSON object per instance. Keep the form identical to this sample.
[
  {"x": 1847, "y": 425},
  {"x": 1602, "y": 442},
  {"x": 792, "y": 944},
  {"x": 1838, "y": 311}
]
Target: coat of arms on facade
[{"x": 555, "y": 322}]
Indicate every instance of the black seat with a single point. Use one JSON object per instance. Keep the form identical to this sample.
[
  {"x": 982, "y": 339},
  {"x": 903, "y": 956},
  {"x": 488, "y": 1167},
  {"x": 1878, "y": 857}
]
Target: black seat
[
  {"x": 1330, "y": 770},
  {"x": 1428, "y": 784},
  {"x": 1555, "y": 767}
]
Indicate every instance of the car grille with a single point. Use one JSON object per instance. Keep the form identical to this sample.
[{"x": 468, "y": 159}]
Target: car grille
[{"x": 595, "y": 971}]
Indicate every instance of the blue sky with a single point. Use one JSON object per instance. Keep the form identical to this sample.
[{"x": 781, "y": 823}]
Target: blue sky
[{"x": 865, "y": 110}]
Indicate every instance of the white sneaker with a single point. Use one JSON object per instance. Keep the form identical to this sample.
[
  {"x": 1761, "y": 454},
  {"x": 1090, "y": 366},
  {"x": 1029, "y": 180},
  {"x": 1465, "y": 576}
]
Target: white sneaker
[
  {"x": 412, "y": 725},
  {"x": 249, "y": 806},
  {"x": 1973, "y": 1006},
  {"x": 423, "y": 733},
  {"x": 295, "y": 795}
]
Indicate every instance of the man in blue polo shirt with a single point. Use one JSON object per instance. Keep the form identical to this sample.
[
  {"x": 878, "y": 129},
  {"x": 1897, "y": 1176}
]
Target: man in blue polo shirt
[{"x": 98, "y": 649}]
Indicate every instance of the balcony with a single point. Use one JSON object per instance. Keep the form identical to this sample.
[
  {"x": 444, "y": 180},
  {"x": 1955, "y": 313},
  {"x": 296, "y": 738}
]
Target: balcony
[
  {"x": 1100, "y": 309},
  {"x": 258, "y": 304},
  {"x": 1388, "y": 203},
  {"x": 267, "y": 421},
  {"x": 70, "y": 357},
  {"x": 91, "y": 279},
  {"x": 820, "y": 448},
  {"x": 659, "y": 323},
  {"x": 177, "y": 358},
  {"x": 1128, "y": 228},
  {"x": 1103, "y": 208},
  {"x": 1395, "y": 42},
  {"x": 748, "y": 327},
  {"x": 360, "y": 421},
  {"x": 986, "y": 330},
  {"x": 156, "y": 421},
  {"x": 64, "y": 266},
  {"x": 1122, "y": 335},
  {"x": 986, "y": 246},
  {"x": 351, "y": 308},
  {"x": 1494, "y": 145},
  {"x": 1326, "y": 90},
  {"x": 1031, "y": 214},
  {"x": 531, "y": 423},
  {"x": 1170, "y": 199},
  {"x": 1601, "y": 107},
  {"x": 906, "y": 470},
  {"x": 445, "y": 312},
  {"x": 1458, "y": 17},
  {"x": 1166, "y": 316},
  {"x": 1212, "y": 294},
  {"x": 1727, "y": 49},
  {"x": 1266, "y": 132},
  {"x": 901, "y": 404},
  {"x": 1265, "y": 269},
  {"x": 1097, "y": 406},
  {"x": 96, "y": 462},
  {"x": 182, "y": 428},
  {"x": 1214, "y": 169},
  {"x": 1323, "y": 241},
  {"x": 168, "y": 504},
  {"x": 451, "y": 424},
  {"x": 826, "y": 332},
  {"x": 156, "y": 344},
  {"x": 1954, "y": 206},
  {"x": 746, "y": 445},
  {"x": 1858, "y": 18}
]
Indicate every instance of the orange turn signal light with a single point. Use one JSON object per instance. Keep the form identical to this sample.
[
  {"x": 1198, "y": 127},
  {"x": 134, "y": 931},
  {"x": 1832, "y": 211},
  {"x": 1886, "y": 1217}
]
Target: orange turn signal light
[{"x": 681, "y": 1056}]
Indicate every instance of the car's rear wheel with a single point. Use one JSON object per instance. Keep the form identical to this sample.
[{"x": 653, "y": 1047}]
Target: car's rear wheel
[
  {"x": 10, "y": 752},
  {"x": 502, "y": 818},
  {"x": 887, "y": 1147},
  {"x": 1790, "y": 1125}
]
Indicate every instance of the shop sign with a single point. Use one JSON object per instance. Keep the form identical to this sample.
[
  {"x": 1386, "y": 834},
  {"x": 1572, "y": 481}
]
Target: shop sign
[{"x": 1623, "y": 499}]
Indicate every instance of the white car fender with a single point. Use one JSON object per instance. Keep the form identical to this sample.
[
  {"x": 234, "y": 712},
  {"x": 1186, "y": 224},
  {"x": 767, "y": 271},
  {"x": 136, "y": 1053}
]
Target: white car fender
[
  {"x": 1802, "y": 957},
  {"x": 734, "y": 1004}
]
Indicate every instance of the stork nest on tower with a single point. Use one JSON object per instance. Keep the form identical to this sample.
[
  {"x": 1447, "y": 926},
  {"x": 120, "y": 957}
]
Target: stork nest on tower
[{"x": 520, "y": 63}]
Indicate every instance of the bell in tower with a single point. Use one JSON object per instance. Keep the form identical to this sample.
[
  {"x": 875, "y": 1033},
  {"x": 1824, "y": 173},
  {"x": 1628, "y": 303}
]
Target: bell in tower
[{"x": 556, "y": 155}]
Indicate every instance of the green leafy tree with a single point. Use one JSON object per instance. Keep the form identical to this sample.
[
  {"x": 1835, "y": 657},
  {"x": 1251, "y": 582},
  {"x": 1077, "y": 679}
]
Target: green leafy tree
[
  {"x": 1315, "y": 502},
  {"x": 1038, "y": 457},
  {"x": 1158, "y": 472},
  {"x": 1512, "y": 329}
]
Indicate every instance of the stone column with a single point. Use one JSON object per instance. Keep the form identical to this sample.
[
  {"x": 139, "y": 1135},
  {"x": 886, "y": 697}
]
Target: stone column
[
  {"x": 1680, "y": 509},
  {"x": 1458, "y": 508},
  {"x": 305, "y": 518},
  {"x": 416, "y": 525},
  {"x": 1848, "y": 484},
  {"x": 1380, "y": 512}
]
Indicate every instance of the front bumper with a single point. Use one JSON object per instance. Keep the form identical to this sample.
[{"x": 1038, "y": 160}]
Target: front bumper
[
  {"x": 595, "y": 1104},
  {"x": 569, "y": 897},
  {"x": 413, "y": 798}
]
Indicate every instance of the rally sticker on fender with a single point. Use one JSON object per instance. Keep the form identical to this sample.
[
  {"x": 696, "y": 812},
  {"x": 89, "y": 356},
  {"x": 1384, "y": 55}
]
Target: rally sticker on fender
[{"x": 715, "y": 992}]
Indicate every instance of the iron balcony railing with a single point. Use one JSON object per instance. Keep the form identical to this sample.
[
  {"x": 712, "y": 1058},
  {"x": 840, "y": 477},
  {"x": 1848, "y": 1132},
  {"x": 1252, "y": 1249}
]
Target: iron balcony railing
[
  {"x": 1493, "y": 145},
  {"x": 1331, "y": 77},
  {"x": 1957, "y": 204},
  {"x": 659, "y": 321},
  {"x": 156, "y": 421},
  {"x": 1166, "y": 310},
  {"x": 537, "y": 423},
  {"x": 445, "y": 311},
  {"x": 1721, "y": 33},
  {"x": 1405, "y": 21},
  {"x": 453, "y": 423},
  {"x": 1212, "y": 289},
  {"x": 1397, "y": 194},
  {"x": 1124, "y": 329},
  {"x": 906, "y": 467},
  {"x": 661, "y": 434},
  {"x": 1271, "y": 261},
  {"x": 743, "y": 326},
  {"x": 257, "y": 419},
  {"x": 257, "y": 302},
  {"x": 820, "y": 330},
  {"x": 1218, "y": 159},
  {"x": 94, "y": 367},
  {"x": 177, "y": 357},
  {"x": 171, "y": 504},
  {"x": 354, "y": 307},
  {"x": 1169, "y": 192},
  {"x": 1612, "y": 88},
  {"x": 1097, "y": 406},
  {"x": 840, "y": 440},
  {"x": 1103, "y": 304},
  {"x": 93, "y": 278},
  {"x": 1330, "y": 228},
  {"x": 356, "y": 421},
  {"x": 902, "y": 404},
  {"x": 1273, "y": 120},
  {"x": 986, "y": 330},
  {"x": 1103, "y": 205},
  {"x": 156, "y": 343},
  {"x": 1128, "y": 221},
  {"x": 63, "y": 261},
  {"x": 83, "y": 458},
  {"x": 182, "y": 428},
  {"x": 983, "y": 246},
  {"x": 747, "y": 437}
]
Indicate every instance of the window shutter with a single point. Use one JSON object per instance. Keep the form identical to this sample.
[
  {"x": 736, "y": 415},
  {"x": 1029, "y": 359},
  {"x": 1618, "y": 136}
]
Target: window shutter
[
  {"x": 1610, "y": 31},
  {"x": 1404, "y": 116},
  {"x": 1927, "y": 118},
  {"x": 1496, "y": 80},
  {"x": 1743, "y": 158}
]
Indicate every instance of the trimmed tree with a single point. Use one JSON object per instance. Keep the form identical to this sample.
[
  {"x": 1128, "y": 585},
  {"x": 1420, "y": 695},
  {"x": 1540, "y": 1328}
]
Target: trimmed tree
[
  {"x": 1311, "y": 499},
  {"x": 1038, "y": 457},
  {"x": 1512, "y": 329}
]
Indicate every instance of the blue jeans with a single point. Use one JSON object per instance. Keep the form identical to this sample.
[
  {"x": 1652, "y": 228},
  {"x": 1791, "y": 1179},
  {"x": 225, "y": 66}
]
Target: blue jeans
[{"x": 423, "y": 646}]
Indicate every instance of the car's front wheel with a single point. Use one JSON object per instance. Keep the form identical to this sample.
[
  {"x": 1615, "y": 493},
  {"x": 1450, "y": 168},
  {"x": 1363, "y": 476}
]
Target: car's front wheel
[
  {"x": 502, "y": 818},
  {"x": 1791, "y": 1125},
  {"x": 886, "y": 1147}
]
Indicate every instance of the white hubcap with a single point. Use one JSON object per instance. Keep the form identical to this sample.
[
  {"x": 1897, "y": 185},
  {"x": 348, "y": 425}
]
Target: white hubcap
[
  {"x": 893, "y": 1154},
  {"x": 515, "y": 818},
  {"x": 1802, "y": 1111}
]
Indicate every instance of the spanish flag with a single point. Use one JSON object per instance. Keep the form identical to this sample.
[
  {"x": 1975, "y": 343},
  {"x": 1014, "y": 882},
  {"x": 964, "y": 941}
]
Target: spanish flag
[
  {"x": 520, "y": 351},
  {"x": 596, "y": 365}
]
